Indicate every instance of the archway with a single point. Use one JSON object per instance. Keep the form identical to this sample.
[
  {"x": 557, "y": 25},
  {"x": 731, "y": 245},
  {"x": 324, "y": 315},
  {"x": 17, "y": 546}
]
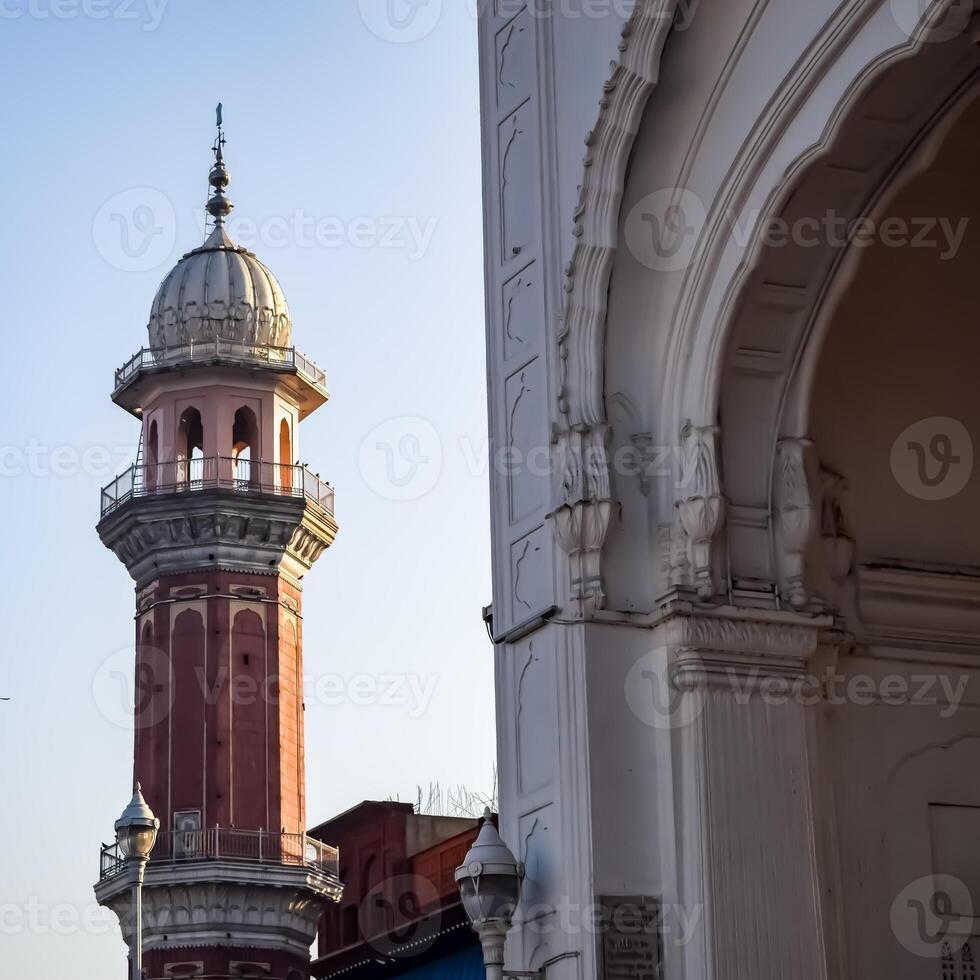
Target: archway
[
  {"x": 700, "y": 357},
  {"x": 190, "y": 448},
  {"x": 152, "y": 456},
  {"x": 245, "y": 444},
  {"x": 285, "y": 456}
]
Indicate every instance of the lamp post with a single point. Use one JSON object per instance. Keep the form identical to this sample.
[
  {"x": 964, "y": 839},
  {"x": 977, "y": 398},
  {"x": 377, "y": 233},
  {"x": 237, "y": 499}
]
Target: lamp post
[
  {"x": 489, "y": 881},
  {"x": 136, "y": 833}
]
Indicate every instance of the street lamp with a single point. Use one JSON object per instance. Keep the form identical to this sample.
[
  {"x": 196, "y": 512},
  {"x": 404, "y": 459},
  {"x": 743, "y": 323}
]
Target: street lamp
[
  {"x": 136, "y": 833},
  {"x": 489, "y": 881}
]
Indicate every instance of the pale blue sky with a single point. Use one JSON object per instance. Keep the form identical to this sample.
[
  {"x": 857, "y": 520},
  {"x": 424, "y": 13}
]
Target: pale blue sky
[{"x": 355, "y": 171}]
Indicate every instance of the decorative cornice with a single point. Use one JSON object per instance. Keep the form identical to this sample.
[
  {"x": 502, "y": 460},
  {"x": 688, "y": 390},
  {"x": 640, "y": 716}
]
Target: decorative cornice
[
  {"x": 931, "y": 608},
  {"x": 217, "y": 528},
  {"x": 224, "y": 903},
  {"x": 712, "y": 646}
]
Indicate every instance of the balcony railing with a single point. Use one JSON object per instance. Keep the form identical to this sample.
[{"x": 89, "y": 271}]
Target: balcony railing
[
  {"x": 223, "y": 472},
  {"x": 229, "y": 844},
  {"x": 221, "y": 350}
]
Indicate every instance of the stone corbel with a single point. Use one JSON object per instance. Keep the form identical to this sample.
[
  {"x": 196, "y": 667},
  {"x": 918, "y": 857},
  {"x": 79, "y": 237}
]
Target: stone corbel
[
  {"x": 701, "y": 513},
  {"x": 795, "y": 516},
  {"x": 582, "y": 518}
]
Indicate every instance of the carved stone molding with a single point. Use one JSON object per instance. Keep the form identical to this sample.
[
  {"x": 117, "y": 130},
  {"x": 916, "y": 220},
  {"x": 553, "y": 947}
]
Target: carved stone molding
[
  {"x": 712, "y": 647},
  {"x": 223, "y": 903},
  {"x": 925, "y": 608},
  {"x": 268, "y": 534},
  {"x": 582, "y": 518},
  {"x": 795, "y": 516},
  {"x": 701, "y": 513},
  {"x": 581, "y": 339}
]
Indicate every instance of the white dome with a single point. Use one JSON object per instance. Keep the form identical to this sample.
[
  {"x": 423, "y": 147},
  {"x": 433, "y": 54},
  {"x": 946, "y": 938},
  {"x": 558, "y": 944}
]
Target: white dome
[{"x": 220, "y": 291}]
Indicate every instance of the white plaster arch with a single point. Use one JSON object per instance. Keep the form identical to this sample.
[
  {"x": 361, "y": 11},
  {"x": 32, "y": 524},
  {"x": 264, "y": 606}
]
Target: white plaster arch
[{"x": 706, "y": 314}]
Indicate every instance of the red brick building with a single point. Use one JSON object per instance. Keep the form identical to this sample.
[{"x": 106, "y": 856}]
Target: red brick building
[{"x": 400, "y": 913}]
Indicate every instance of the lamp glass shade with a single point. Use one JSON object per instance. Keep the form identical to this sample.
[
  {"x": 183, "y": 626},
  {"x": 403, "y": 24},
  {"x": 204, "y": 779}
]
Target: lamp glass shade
[
  {"x": 490, "y": 897},
  {"x": 136, "y": 841}
]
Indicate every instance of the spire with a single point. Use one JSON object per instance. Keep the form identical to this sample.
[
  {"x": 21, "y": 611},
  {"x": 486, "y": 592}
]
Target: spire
[{"x": 219, "y": 207}]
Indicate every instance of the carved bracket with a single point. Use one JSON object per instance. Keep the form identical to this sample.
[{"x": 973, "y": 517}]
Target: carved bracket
[
  {"x": 582, "y": 518},
  {"x": 700, "y": 514},
  {"x": 795, "y": 516}
]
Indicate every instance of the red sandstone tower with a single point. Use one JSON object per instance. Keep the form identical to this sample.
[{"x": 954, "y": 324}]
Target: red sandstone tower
[{"x": 218, "y": 523}]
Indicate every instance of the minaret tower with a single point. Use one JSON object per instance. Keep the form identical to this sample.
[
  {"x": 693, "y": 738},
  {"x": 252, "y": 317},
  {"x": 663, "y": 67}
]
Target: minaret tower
[{"x": 218, "y": 524}]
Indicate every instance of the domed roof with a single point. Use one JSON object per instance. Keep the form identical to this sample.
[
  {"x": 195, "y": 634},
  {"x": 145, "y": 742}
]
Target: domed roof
[{"x": 220, "y": 291}]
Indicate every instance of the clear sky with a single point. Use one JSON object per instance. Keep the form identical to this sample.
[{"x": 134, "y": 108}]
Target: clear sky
[{"x": 353, "y": 145}]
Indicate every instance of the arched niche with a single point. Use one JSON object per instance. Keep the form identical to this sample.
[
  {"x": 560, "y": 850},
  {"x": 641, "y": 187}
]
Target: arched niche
[
  {"x": 245, "y": 444},
  {"x": 701, "y": 361},
  {"x": 285, "y": 454}
]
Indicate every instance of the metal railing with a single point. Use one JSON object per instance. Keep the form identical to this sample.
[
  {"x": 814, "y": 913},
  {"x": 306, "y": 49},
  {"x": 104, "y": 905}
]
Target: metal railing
[
  {"x": 221, "y": 350},
  {"x": 230, "y": 844},
  {"x": 224, "y": 472}
]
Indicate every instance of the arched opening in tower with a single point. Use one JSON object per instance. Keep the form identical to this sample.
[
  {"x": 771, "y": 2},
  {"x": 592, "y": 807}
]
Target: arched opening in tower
[
  {"x": 285, "y": 457},
  {"x": 244, "y": 439},
  {"x": 152, "y": 455},
  {"x": 190, "y": 448}
]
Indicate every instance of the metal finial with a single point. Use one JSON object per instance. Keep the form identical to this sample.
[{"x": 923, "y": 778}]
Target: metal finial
[{"x": 219, "y": 207}]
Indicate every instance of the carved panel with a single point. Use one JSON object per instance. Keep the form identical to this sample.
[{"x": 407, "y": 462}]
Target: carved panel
[
  {"x": 517, "y": 192},
  {"x": 521, "y": 313},
  {"x": 535, "y": 717},
  {"x": 513, "y": 62},
  {"x": 537, "y": 851},
  {"x": 527, "y": 459},
  {"x": 530, "y": 575}
]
